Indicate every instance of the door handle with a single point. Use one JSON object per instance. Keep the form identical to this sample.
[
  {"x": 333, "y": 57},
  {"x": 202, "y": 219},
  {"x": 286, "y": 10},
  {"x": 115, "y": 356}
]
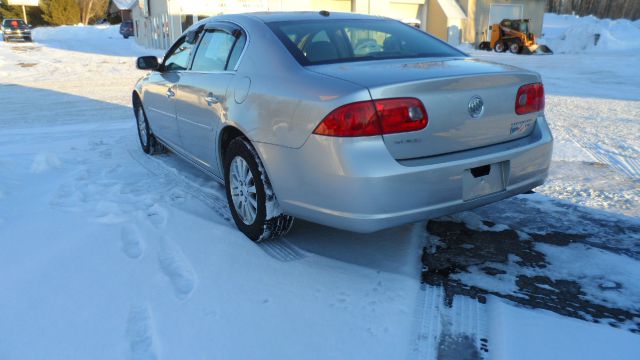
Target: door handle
[
  {"x": 170, "y": 93},
  {"x": 212, "y": 99}
]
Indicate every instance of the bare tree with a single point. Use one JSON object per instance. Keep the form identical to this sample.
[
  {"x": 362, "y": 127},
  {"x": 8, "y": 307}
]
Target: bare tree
[
  {"x": 613, "y": 9},
  {"x": 92, "y": 9}
]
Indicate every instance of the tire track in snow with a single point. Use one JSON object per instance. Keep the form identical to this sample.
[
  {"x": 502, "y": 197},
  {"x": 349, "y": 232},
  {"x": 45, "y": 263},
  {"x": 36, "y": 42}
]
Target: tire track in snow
[
  {"x": 280, "y": 249},
  {"x": 467, "y": 332},
  {"x": 210, "y": 198},
  {"x": 449, "y": 326},
  {"x": 140, "y": 333},
  {"x": 457, "y": 331},
  {"x": 626, "y": 164},
  {"x": 429, "y": 308}
]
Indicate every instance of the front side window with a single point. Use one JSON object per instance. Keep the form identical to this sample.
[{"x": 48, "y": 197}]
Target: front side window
[
  {"x": 179, "y": 58},
  {"x": 218, "y": 51},
  {"x": 332, "y": 41}
]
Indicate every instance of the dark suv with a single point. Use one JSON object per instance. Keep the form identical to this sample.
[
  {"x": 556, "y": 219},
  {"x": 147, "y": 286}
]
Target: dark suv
[
  {"x": 126, "y": 29},
  {"x": 13, "y": 29}
]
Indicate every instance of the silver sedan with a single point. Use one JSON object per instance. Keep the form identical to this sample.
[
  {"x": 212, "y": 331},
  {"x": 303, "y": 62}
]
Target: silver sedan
[{"x": 351, "y": 121}]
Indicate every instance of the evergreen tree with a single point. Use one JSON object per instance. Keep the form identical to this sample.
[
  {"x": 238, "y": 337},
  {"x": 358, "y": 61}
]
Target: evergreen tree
[
  {"x": 60, "y": 12},
  {"x": 34, "y": 13}
]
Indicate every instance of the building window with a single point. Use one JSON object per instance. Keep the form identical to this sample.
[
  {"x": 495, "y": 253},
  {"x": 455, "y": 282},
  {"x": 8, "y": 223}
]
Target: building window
[{"x": 186, "y": 20}]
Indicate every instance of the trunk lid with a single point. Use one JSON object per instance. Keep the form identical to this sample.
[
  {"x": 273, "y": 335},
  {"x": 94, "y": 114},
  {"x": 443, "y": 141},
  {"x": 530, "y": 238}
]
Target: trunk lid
[{"x": 446, "y": 88}]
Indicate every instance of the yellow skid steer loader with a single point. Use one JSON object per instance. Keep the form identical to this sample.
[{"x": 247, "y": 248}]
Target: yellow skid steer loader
[{"x": 513, "y": 35}]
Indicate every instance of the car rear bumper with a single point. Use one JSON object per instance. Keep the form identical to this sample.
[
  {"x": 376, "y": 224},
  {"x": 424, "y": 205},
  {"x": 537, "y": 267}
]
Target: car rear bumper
[{"x": 355, "y": 184}]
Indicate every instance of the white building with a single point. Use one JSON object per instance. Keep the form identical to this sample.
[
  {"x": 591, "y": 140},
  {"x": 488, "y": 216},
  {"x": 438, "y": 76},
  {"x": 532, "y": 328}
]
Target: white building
[{"x": 158, "y": 23}]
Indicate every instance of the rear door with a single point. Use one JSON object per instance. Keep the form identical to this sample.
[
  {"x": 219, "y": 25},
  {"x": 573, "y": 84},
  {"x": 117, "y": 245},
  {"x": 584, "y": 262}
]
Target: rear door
[
  {"x": 161, "y": 90},
  {"x": 202, "y": 98}
]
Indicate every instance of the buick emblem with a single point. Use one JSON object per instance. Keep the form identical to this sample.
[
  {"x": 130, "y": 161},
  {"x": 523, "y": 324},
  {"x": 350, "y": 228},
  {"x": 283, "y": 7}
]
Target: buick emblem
[{"x": 476, "y": 107}]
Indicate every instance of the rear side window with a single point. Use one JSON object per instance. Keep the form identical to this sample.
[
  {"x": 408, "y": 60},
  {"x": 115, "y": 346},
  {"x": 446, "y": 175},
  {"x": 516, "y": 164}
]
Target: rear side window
[
  {"x": 236, "y": 52},
  {"x": 217, "y": 52},
  {"x": 331, "y": 41}
]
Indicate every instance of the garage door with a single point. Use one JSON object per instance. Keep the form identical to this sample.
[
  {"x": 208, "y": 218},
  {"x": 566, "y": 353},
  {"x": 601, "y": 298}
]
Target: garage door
[{"x": 498, "y": 12}]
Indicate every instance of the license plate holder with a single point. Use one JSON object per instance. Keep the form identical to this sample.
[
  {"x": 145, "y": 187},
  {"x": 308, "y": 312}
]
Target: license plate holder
[{"x": 484, "y": 180}]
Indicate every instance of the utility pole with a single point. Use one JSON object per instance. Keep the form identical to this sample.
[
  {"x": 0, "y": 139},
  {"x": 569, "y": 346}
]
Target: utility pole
[{"x": 24, "y": 14}]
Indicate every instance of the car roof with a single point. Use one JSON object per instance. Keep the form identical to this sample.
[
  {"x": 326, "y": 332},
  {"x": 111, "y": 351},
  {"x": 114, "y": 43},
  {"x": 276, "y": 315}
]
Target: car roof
[
  {"x": 277, "y": 16},
  {"x": 268, "y": 17}
]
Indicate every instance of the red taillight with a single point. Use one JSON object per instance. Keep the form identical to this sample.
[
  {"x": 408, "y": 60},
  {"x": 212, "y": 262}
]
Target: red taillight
[
  {"x": 401, "y": 115},
  {"x": 376, "y": 117},
  {"x": 530, "y": 99},
  {"x": 355, "y": 119}
]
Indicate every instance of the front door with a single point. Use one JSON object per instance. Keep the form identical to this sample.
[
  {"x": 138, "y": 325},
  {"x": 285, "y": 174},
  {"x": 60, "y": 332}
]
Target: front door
[
  {"x": 161, "y": 91},
  {"x": 159, "y": 105},
  {"x": 202, "y": 96}
]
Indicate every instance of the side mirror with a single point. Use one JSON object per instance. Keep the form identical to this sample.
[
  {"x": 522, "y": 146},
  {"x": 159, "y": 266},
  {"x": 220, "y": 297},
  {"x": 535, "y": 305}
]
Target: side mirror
[{"x": 147, "y": 63}]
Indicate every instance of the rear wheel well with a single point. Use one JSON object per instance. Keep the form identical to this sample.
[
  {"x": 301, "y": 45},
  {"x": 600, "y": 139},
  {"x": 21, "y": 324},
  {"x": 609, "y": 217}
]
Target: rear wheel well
[{"x": 228, "y": 134}]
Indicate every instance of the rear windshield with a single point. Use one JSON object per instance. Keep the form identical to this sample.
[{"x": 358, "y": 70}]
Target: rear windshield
[
  {"x": 332, "y": 41},
  {"x": 13, "y": 23}
]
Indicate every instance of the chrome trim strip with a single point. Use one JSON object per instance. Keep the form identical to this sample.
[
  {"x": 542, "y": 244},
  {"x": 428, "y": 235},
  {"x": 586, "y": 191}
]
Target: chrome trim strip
[
  {"x": 195, "y": 123},
  {"x": 162, "y": 112}
]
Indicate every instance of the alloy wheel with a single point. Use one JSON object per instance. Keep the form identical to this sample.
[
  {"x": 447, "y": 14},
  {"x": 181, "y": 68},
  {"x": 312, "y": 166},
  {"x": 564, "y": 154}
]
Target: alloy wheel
[
  {"x": 142, "y": 127},
  {"x": 243, "y": 190}
]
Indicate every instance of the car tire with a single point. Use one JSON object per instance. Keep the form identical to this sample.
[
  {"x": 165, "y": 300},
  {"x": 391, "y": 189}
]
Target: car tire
[
  {"x": 125, "y": 36},
  {"x": 499, "y": 47},
  {"x": 253, "y": 204},
  {"x": 28, "y": 39},
  {"x": 515, "y": 48},
  {"x": 148, "y": 141},
  {"x": 485, "y": 45}
]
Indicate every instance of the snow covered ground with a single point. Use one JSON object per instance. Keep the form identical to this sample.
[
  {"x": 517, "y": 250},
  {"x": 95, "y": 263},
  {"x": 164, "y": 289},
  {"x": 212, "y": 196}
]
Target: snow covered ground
[
  {"x": 593, "y": 108},
  {"x": 106, "y": 253}
]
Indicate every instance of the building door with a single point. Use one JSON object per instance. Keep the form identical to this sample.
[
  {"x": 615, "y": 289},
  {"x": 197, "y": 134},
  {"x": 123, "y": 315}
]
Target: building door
[
  {"x": 453, "y": 35},
  {"x": 499, "y": 12}
]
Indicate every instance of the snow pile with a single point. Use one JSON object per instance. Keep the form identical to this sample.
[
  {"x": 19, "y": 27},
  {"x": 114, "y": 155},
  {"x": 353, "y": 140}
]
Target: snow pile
[
  {"x": 574, "y": 34},
  {"x": 76, "y": 32},
  {"x": 99, "y": 39}
]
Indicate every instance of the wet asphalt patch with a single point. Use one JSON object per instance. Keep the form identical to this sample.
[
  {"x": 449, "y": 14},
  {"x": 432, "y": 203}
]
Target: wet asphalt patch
[
  {"x": 536, "y": 215},
  {"x": 462, "y": 347},
  {"x": 502, "y": 251}
]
